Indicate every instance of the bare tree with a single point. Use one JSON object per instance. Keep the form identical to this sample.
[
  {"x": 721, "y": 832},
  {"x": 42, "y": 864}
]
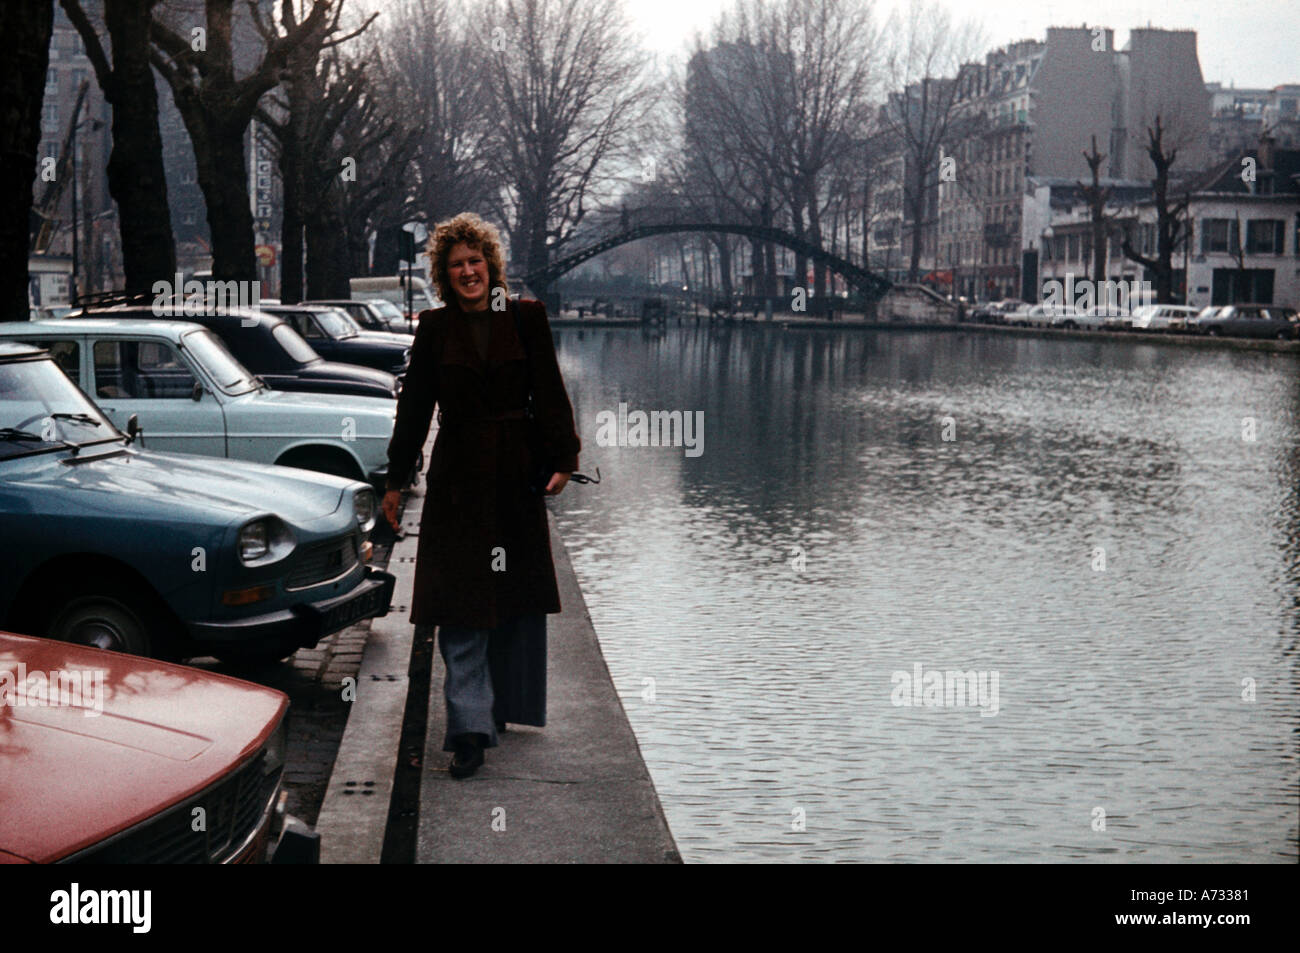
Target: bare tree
[
  {"x": 217, "y": 105},
  {"x": 1171, "y": 224},
  {"x": 927, "y": 66},
  {"x": 780, "y": 96},
  {"x": 1096, "y": 196},
  {"x": 27, "y": 26},
  {"x": 569, "y": 89},
  {"x": 136, "y": 178},
  {"x": 435, "y": 69}
]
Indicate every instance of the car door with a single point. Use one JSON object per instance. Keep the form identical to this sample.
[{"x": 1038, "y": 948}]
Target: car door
[{"x": 149, "y": 377}]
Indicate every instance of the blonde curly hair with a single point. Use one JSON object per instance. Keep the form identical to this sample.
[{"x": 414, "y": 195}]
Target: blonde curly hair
[{"x": 471, "y": 230}]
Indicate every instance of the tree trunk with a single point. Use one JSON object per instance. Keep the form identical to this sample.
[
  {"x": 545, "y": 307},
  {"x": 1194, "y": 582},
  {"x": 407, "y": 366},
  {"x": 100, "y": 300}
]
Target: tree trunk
[
  {"x": 918, "y": 230},
  {"x": 26, "y": 26},
  {"x": 136, "y": 178},
  {"x": 723, "y": 244},
  {"x": 327, "y": 253},
  {"x": 222, "y": 174}
]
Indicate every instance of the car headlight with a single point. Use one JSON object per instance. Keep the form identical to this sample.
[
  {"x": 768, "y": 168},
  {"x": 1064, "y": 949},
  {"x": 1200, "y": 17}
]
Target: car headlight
[
  {"x": 254, "y": 541},
  {"x": 277, "y": 748},
  {"x": 263, "y": 541},
  {"x": 363, "y": 505}
]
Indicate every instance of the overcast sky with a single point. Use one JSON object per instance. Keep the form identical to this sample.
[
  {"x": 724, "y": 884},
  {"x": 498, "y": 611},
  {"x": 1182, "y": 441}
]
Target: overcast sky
[{"x": 1246, "y": 42}]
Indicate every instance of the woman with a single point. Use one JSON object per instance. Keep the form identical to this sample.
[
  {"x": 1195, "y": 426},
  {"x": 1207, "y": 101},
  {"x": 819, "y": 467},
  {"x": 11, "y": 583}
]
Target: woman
[{"x": 483, "y": 570}]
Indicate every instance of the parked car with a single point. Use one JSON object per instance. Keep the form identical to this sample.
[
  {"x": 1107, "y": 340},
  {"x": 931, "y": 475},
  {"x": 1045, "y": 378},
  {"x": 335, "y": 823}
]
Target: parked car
[
  {"x": 995, "y": 312},
  {"x": 1096, "y": 318},
  {"x": 119, "y": 547},
  {"x": 191, "y": 396},
  {"x": 1162, "y": 317},
  {"x": 394, "y": 290},
  {"x": 372, "y": 314},
  {"x": 336, "y": 337},
  {"x": 1247, "y": 320},
  {"x": 1044, "y": 316},
  {"x": 272, "y": 349},
  {"x": 114, "y": 764}
]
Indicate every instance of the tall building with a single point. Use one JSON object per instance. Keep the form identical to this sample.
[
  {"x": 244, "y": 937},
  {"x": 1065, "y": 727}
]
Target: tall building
[{"x": 98, "y": 247}]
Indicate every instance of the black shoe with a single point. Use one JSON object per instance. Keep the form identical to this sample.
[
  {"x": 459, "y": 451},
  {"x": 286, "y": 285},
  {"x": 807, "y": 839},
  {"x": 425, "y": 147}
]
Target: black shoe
[
  {"x": 468, "y": 757},
  {"x": 501, "y": 727}
]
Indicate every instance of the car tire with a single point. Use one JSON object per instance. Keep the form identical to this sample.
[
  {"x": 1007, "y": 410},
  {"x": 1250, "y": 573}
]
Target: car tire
[
  {"x": 1070, "y": 326},
  {"x": 1213, "y": 332},
  {"x": 117, "y": 622},
  {"x": 1284, "y": 335}
]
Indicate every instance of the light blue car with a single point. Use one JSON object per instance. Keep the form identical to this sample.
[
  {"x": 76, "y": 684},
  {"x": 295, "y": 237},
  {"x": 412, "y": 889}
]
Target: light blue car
[
  {"x": 190, "y": 395},
  {"x": 111, "y": 545}
]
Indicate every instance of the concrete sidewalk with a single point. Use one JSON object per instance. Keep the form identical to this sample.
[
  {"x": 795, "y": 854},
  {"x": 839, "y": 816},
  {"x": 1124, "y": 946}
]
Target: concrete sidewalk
[{"x": 576, "y": 791}]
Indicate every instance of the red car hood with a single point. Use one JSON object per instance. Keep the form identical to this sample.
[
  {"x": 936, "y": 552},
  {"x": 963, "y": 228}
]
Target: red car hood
[{"x": 71, "y": 776}]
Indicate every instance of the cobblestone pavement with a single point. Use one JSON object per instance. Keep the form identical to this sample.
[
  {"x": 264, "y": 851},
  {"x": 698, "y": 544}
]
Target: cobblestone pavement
[{"x": 313, "y": 680}]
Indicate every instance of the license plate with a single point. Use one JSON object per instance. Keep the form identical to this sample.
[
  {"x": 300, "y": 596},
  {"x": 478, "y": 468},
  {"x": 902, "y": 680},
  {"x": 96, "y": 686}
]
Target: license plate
[{"x": 354, "y": 610}]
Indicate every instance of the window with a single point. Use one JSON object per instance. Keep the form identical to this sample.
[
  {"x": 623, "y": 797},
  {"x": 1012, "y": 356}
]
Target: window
[
  {"x": 1073, "y": 253},
  {"x": 141, "y": 370},
  {"x": 1218, "y": 235},
  {"x": 50, "y": 116},
  {"x": 67, "y": 354},
  {"x": 51, "y": 80},
  {"x": 1264, "y": 236},
  {"x": 307, "y": 327}
]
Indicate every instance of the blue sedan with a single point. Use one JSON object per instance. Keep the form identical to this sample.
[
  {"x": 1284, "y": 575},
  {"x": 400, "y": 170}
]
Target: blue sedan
[{"x": 112, "y": 545}]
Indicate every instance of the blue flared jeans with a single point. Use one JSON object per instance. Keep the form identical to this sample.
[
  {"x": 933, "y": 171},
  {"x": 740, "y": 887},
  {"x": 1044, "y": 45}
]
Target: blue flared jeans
[{"x": 494, "y": 675}]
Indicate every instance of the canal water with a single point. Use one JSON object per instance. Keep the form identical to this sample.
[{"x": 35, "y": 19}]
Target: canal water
[{"x": 949, "y": 596}]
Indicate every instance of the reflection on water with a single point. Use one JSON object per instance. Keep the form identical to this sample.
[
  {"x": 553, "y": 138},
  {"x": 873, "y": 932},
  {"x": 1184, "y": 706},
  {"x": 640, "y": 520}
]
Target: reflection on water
[{"x": 1100, "y": 530}]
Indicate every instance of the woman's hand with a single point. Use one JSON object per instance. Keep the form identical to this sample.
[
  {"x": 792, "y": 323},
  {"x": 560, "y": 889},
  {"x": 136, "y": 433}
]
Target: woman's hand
[
  {"x": 391, "y": 503},
  {"x": 557, "y": 483}
]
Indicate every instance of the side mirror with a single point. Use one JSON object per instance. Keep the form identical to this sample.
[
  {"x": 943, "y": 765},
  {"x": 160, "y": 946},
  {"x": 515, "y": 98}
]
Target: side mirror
[
  {"x": 197, "y": 393},
  {"x": 133, "y": 430}
]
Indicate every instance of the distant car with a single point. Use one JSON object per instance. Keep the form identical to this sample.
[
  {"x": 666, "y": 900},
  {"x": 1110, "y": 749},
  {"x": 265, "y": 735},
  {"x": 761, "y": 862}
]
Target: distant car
[
  {"x": 1248, "y": 320},
  {"x": 1162, "y": 317},
  {"x": 393, "y": 289},
  {"x": 336, "y": 337},
  {"x": 271, "y": 348},
  {"x": 192, "y": 396},
  {"x": 372, "y": 314},
  {"x": 119, "y": 547},
  {"x": 995, "y": 312},
  {"x": 1044, "y": 316},
  {"x": 116, "y": 763},
  {"x": 1098, "y": 317}
]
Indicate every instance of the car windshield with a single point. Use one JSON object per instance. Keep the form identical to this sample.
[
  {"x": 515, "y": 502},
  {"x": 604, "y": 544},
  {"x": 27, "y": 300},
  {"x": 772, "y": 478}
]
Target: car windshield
[
  {"x": 294, "y": 344},
  {"x": 337, "y": 324},
  {"x": 41, "y": 409},
  {"x": 226, "y": 372},
  {"x": 386, "y": 309}
]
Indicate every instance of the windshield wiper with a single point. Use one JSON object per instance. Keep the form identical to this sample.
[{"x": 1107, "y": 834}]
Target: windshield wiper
[
  {"x": 79, "y": 418},
  {"x": 9, "y": 434}
]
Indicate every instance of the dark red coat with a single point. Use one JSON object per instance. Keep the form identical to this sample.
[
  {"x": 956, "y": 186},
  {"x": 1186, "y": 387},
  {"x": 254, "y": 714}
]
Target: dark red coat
[{"x": 478, "y": 508}]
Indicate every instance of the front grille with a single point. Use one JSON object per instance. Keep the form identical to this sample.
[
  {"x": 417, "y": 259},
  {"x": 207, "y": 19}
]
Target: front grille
[
  {"x": 232, "y": 809},
  {"x": 322, "y": 562}
]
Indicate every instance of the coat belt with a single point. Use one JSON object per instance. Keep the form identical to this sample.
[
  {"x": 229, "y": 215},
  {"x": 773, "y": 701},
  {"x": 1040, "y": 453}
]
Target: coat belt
[{"x": 519, "y": 414}]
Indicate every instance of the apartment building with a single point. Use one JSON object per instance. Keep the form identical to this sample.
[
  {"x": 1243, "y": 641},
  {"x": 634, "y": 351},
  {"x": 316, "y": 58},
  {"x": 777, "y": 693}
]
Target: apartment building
[{"x": 1043, "y": 103}]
